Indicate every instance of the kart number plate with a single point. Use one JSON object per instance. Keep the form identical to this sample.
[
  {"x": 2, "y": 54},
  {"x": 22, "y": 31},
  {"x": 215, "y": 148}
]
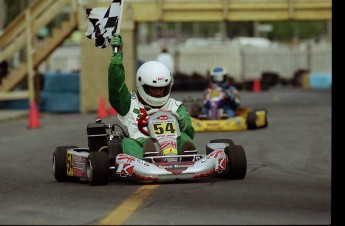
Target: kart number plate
[{"x": 162, "y": 129}]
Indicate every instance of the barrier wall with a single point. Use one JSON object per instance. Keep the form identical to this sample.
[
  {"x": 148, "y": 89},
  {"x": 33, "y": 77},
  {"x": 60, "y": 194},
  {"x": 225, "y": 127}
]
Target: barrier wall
[
  {"x": 60, "y": 92},
  {"x": 246, "y": 62},
  {"x": 243, "y": 62},
  {"x": 320, "y": 80}
]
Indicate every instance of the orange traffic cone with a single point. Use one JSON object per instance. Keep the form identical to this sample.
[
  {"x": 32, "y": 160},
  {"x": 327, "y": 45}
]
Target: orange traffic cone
[
  {"x": 102, "y": 111},
  {"x": 34, "y": 116},
  {"x": 256, "y": 86},
  {"x": 112, "y": 111}
]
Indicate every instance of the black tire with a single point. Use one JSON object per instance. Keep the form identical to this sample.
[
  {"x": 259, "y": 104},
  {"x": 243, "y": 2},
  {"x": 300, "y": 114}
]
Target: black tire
[
  {"x": 251, "y": 120},
  {"x": 227, "y": 141},
  {"x": 98, "y": 168},
  {"x": 237, "y": 162},
  {"x": 59, "y": 163}
]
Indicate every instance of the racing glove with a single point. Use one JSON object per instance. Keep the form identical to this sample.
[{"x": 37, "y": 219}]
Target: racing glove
[
  {"x": 116, "y": 42},
  {"x": 182, "y": 122}
]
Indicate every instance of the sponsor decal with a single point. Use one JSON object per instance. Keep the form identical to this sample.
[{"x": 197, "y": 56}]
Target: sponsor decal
[
  {"x": 169, "y": 150},
  {"x": 75, "y": 164},
  {"x": 160, "y": 79},
  {"x": 216, "y": 153},
  {"x": 221, "y": 165},
  {"x": 78, "y": 172},
  {"x": 163, "y": 129},
  {"x": 147, "y": 178},
  {"x": 142, "y": 162},
  {"x": 77, "y": 158},
  {"x": 168, "y": 143},
  {"x": 172, "y": 165},
  {"x": 175, "y": 168},
  {"x": 129, "y": 158},
  {"x": 204, "y": 174},
  {"x": 69, "y": 163},
  {"x": 212, "y": 124},
  {"x": 163, "y": 117},
  {"x": 127, "y": 170}
]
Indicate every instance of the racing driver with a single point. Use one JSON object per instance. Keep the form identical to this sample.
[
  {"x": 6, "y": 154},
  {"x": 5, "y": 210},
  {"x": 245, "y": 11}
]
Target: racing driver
[
  {"x": 220, "y": 83},
  {"x": 153, "y": 87}
]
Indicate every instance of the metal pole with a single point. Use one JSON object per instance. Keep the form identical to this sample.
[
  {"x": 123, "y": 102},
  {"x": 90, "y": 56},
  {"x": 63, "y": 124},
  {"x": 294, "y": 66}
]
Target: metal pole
[{"x": 29, "y": 50}]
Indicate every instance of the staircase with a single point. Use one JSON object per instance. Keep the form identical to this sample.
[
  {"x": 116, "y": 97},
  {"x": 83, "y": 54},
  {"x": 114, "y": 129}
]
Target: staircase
[{"x": 20, "y": 36}]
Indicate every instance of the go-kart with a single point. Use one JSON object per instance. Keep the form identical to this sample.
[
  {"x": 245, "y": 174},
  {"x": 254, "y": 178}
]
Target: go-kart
[
  {"x": 218, "y": 120},
  {"x": 104, "y": 160}
]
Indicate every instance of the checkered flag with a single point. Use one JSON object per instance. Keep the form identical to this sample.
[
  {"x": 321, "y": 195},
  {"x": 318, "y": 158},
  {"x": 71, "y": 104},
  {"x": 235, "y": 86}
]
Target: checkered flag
[{"x": 104, "y": 23}]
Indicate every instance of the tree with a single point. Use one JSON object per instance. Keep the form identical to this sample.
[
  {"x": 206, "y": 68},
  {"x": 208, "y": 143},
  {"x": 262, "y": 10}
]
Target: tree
[
  {"x": 3, "y": 12},
  {"x": 288, "y": 30}
]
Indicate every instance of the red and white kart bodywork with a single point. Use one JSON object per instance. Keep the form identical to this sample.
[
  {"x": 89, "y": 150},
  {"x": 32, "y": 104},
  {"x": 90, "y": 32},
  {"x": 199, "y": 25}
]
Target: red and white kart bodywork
[
  {"x": 214, "y": 163},
  {"x": 163, "y": 128},
  {"x": 104, "y": 160}
]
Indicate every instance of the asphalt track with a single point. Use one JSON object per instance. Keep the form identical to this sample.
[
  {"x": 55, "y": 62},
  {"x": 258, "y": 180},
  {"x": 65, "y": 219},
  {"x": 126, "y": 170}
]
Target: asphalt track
[{"x": 288, "y": 179}]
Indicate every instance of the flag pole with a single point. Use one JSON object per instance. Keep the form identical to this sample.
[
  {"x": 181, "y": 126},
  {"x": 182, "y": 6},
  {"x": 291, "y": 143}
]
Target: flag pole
[{"x": 119, "y": 24}]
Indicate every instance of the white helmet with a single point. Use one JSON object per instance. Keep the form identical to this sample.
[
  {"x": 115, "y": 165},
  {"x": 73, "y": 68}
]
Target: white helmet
[
  {"x": 218, "y": 74},
  {"x": 150, "y": 75}
]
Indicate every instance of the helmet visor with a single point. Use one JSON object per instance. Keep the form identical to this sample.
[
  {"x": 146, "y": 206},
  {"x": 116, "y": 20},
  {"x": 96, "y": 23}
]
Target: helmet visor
[
  {"x": 157, "y": 91},
  {"x": 218, "y": 79}
]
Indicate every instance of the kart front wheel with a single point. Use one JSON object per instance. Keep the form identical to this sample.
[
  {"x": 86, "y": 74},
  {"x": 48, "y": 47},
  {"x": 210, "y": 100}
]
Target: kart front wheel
[
  {"x": 226, "y": 141},
  {"x": 237, "y": 162},
  {"x": 98, "y": 168},
  {"x": 60, "y": 163}
]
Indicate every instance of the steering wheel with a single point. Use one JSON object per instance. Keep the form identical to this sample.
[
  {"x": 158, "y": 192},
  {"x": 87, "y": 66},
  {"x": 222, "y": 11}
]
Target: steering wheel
[
  {"x": 142, "y": 123},
  {"x": 143, "y": 120}
]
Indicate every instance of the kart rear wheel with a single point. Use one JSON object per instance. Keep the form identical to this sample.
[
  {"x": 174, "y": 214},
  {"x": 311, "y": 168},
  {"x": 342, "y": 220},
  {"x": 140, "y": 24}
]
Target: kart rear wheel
[
  {"x": 59, "y": 163},
  {"x": 252, "y": 118},
  {"x": 98, "y": 168},
  {"x": 237, "y": 162},
  {"x": 227, "y": 141}
]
